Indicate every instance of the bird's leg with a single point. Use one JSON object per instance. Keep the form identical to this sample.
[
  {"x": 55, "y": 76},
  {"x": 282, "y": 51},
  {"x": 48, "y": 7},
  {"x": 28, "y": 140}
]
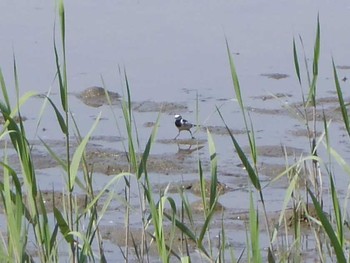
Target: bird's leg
[
  {"x": 177, "y": 135},
  {"x": 191, "y": 134}
]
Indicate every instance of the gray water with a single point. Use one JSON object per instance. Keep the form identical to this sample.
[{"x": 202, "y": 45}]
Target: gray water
[{"x": 175, "y": 51}]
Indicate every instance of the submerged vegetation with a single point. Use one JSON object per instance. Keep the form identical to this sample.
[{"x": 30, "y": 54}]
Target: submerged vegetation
[{"x": 169, "y": 229}]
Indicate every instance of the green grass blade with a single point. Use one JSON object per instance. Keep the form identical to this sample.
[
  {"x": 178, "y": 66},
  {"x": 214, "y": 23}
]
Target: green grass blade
[
  {"x": 63, "y": 226},
  {"x": 337, "y": 213},
  {"x": 15, "y": 76},
  {"x": 63, "y": 86},
  {"x": 316, "y": 48},
  {"x": 186, "y": 207},
  {"x": 23, "y": 99},
  {"x": 14, "y": 226},
  {"x": 62, "y": 70},
  {"x": 12, "y": 127},
  {"x": 79, "y": 153},
  {"x": 63, "y": 93},
  {"x": 250, "y": 170},
  {"x": 105, "y": 189},
  {"x": 213, "y": 165},
  {"x": 328, "y": 228},
  {"x": 4, "y": 90},
  {"x": 340, "y": 160},
  {"x": 287, "y": 197},
  {"x": 305, "y": 61},
  {"x": 234, "y": 77},
  {"x": 205, "y": 227},
  {"x": 202, "y": 185},
  {"x": 183, "y": 228},
  {"x": 127, "y": 114},
  {"x": 296, "y": 61},
  {"x": 60, "y": 118},
  {"x": 254, "y": 231},
  {"x": 128, "y": 95},
  {"x": 270, "y": 256},
  {"x": 342, "y": 104},
  {"x": 312, "y": 90},
  {"x": 147, "y": 150},
  {"x": 61, "y": 13},
  {"x": 237, "y": 89}
]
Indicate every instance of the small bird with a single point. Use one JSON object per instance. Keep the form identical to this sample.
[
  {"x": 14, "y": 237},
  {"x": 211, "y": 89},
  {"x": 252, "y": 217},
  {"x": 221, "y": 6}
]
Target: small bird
[{"x": 183, "y": 125}]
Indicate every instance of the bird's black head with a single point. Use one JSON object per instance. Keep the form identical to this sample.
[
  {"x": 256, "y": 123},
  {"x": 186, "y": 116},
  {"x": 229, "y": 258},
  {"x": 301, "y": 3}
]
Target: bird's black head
[{"x": 178, "y": 117}]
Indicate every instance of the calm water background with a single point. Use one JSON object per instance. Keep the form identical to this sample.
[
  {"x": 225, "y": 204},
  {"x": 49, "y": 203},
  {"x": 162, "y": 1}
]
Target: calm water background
[{"x": 172, "y": 51}]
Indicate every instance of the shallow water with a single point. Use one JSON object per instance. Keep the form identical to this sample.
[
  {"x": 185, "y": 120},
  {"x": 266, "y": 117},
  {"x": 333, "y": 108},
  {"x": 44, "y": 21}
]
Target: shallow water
[{"x": 173, "y": 52}]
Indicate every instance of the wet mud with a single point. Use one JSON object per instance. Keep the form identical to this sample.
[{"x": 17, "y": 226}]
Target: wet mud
[
  {"x": 272, "y": 97},
  {"x": 55, "y": 198},
  {"x": 327, "y": 108},
  {"x": 194, "y": 187},
  {"x": 41, "y": 160},
  {"x": 273, "y": 112},
  {"x": 301, "y": 214},
  {"x": 345, "y": 67},
  {"x": 106, "y": 138},
  {"x": 304, "y": 133},
  {"x": 276, "y": 151},
  {"x": 183, "y": 142},
  {"x": 221, "y": 130},
  {"x": 136, "y": 237},
  {"x": 110, "y": 162},
  {"x": 197, "y": 207},
  {"x": 15, "y": 118},
  {"x": 235, "y": 223},
  {"x": 271, "y": 170},
  {"x": 276, "y": 76},
  {"x": 285, "y": 175},
  {"x": 149, "y": 124},
  {"x": 171, "y": 108},
  {"x": 97, "y": 96}
]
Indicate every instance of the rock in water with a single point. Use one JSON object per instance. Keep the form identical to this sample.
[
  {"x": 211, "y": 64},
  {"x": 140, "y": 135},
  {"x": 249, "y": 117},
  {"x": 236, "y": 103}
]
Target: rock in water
[{"x": 97, "y": 96}]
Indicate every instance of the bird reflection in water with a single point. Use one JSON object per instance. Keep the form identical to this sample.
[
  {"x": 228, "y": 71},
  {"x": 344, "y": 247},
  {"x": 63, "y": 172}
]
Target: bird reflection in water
[{"x": 185, "y": 149}]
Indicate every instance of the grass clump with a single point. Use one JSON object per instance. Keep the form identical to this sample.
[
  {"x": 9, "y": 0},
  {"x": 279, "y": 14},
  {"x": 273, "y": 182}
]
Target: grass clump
[{"x": 169, "y": 226}]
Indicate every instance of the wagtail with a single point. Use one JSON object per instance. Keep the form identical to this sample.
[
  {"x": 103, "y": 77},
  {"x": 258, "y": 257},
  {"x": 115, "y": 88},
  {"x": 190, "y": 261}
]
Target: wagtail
[{"x": 183, "y": 125}]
